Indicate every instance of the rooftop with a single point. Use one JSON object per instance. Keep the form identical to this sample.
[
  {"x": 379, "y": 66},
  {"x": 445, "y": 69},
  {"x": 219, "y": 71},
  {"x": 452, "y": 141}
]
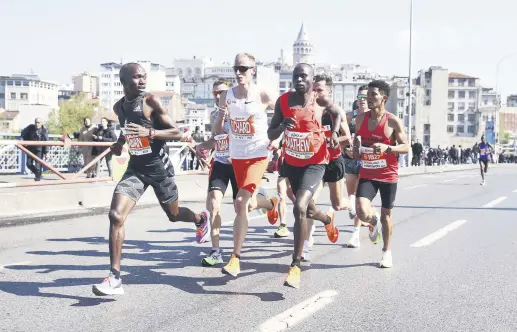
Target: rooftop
[
  {"x": 458, "y": 75},
  {"x": 8, "y": 115}
]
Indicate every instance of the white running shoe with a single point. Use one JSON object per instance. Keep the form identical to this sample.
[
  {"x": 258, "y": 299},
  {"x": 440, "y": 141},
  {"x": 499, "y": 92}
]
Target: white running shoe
[
  {"x": 109, "y": 286},
  {"x": 375, "y": 234},
  {"x": 311, "y": 235},
  {"x": 354, "y": 241},
  {"x": 387, "y": 259},
  {"x": 483, "y": 183},
  {"x": 305, "y": 252}
]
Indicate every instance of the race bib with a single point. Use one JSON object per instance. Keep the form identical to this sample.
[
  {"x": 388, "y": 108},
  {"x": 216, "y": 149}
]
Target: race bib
[
  {"x": 328, "y": 133},
  {"x": 371, "y": 160},
  {"x": 243, "y": 128},
  {"x": 299, "y": 145},
  {"x": 222, "y": 146},
  {"x": 138, "y": 145}
]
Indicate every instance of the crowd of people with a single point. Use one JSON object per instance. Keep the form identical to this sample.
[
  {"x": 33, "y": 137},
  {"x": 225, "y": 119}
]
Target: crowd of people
[
  {"x": 315, "y": 140},
  {"x": 454, "y": 155}
]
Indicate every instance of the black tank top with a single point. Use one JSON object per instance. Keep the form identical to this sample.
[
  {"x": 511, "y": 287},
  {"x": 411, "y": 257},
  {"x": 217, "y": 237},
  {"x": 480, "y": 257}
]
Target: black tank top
[{"x": 147, "y": 156}]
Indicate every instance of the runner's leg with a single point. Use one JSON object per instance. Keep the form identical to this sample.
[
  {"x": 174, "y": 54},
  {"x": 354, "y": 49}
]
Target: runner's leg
[{"x": 121, "y": 205}]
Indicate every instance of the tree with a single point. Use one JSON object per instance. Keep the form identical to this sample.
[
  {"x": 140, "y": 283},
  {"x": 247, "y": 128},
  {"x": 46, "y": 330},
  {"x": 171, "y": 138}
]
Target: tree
[
  {"x": 506, "y": 137},
  {"x": 69, "y": 118}
]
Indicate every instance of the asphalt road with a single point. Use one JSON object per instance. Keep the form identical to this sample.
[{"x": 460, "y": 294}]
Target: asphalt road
[{"x": 454, "y": 252}]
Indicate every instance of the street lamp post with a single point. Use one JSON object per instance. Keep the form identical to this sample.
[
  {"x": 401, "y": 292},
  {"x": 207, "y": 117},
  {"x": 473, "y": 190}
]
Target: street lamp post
[{"x": 410, "y": 99}]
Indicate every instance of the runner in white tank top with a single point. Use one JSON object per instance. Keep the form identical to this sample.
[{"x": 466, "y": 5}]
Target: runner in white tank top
[{"x": 246, "y": 105}]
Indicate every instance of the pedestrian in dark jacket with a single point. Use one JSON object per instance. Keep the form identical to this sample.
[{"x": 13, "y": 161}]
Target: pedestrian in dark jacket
[
  {"x": 36, "y": 132},
  {"x": 104, "y": 133}
]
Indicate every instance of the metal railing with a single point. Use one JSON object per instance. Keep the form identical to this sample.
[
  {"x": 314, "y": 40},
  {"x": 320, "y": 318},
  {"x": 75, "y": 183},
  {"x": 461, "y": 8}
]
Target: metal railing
[{"x": 64, "y": 156}]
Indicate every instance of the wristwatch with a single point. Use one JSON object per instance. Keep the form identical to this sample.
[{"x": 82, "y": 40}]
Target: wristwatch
[
  {"x": 335, "y": 132},
  {"x": 388, "y": 150},
  {"x": 152, "y": 133}
]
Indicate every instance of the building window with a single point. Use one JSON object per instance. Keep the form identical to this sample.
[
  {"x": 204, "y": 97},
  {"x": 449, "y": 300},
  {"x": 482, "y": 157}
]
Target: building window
[
  {"x": 471, "y": 117},
  {"x": 452, "y": 93},
  {"x": 428, "y": 93},
  {"x": 461, "y": 94},
  {"x": 472, "y": 82},
  {"x": 401, "y": 104},
  {"x": 472, "y": 106},
  {"x": 461, "y": 106},
  {"x": 450, "y": 129},
  {"x": 24, "y": 96},
  {"x": 2, "y": 95},
  {"x": 461, "y": 117},
  {"x": 25, "y": 83},
  {"x": 2, "y": 83},
  {"x": 450, "y": 117},
  {"x": 460, "y": 129},
  {"x": 18, "y": 83},
  {"x": 472, "y": 94},
  {"x": 471, "y": 129},
  {"x": 282, "y": 85},
  {"x": 485, "y": 101},
  {"x": 13, "y": 95},
  {"x": 451, "y": 106},
  {"x": 10, "y": 83}
]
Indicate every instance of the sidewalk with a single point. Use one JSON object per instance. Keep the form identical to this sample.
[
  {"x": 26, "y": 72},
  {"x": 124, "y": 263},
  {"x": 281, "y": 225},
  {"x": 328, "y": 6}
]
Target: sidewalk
[{"x": 30, "y": 204}]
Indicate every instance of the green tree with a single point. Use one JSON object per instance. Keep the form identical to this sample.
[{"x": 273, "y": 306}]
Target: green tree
[
  {"x": 506, "y": 137},
  {"x": 69, "y": 118}
]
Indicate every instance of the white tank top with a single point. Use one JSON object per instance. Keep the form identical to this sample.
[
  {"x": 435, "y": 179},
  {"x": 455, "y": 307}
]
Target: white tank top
[{"x": 248, "y": 126}]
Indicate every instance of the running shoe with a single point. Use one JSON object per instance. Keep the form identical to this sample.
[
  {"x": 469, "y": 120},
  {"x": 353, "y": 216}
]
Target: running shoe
[
  {"x": 215, "y": 257},
  {"x": 109, "y": 286},
  {"x": 203, "y": 230},
  {"x": 262, "y": 192},
  {"x": 354, "y": 241},
  {"x": 305, "y": 252},
  {"x": 311, "y": 235},
  {"x": 272, "y": 215},
  {"x": 293, "y": 278},
  {"x": 332, "y": 230},
  {"x": 387, "y": 259},
  {"x": 374, "y": 227},
  {"x": 282, "y": 231},
  {"x": 483, "y": 183},
  {"x": 233, "y": 267}
]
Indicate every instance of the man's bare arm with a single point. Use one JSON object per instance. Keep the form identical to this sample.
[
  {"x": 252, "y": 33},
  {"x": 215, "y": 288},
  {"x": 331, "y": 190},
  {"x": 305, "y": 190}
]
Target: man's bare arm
[
  {"x": 276, "y": 128},
  {"x": 218, "y": 127},
  {"x": 171, "y": 132},
  {"x": 344, "y": 130},
  {"x": 400, "y": 135}
]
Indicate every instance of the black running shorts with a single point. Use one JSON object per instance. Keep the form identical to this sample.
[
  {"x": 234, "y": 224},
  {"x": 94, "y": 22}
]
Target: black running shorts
[
  {"x": 485, "y": 162},
  {"x": 369, "y": 188},
  {"x": 220, "y": 175},
  {"x": 134, "y": 184},
  {"x": 307, "y": 177},
  {"x": 334, "y": 171}
]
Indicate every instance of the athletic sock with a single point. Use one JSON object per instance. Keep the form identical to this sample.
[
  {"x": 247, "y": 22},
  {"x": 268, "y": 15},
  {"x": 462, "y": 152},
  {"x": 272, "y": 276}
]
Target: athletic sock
[
  {"x": 237, "y": 256},
  {"x": 283, "y": 224},
  {"x": 216, "y": 250},
  {"x": 328, "y": 221},
  {"x": 116, "y": 273}
]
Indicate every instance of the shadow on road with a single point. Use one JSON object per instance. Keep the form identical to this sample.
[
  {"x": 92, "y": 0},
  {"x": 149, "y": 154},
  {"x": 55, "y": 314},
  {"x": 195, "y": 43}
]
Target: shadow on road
[{"x": 161, "y": 259}]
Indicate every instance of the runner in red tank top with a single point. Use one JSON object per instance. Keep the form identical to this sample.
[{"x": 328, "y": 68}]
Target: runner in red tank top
[
  {"x": 379, "y": 131},
  {"x": 298, "y": 116}
]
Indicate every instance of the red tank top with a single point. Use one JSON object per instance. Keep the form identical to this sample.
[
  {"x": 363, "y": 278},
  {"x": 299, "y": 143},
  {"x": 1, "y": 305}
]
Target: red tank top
[
  {"x": 327, "y": 128},
  {"x": 305, "y": 144},
  {"x": 383, "y": 167}
]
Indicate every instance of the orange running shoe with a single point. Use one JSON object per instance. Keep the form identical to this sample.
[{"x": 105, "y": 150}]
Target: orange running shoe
[
  {"x": 272, "y": 215},
  {"x": 293, "y": 278},
  {"x": 332, "y": 230}
]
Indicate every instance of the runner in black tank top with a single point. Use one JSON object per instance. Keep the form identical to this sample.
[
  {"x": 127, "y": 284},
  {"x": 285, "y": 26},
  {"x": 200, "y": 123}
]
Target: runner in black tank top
[{"x": 147, "y": 127}]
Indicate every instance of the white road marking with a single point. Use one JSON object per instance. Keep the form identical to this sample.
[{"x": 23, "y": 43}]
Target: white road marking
[
  {"x": 299, "y": 312},
  {"x": 495, "y": 202},
  {"x": 515, "y": 191},
  {"x": 449, "y": 180},
  {"x": 420, "y": 185},
  {"x": 431, "y": 238},
  {"x": 14, "y": 264}
]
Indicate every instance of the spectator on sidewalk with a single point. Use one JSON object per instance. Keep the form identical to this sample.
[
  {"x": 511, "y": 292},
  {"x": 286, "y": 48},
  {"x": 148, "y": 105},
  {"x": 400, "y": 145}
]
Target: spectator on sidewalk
[
  {"x": 104, "y": 133},
  {"x": 86, "y": 135},
  {"x": 36, "y": 132},
  {"x": 197, "y": 136},
  {"x": 417, "y": 153}
]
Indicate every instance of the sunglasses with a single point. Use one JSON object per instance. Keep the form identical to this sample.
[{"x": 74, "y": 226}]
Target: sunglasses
[
  {"x": 361, "y": 96},
  {"x": 217, "y": 93},
  {"x": 241, "y": 69}
]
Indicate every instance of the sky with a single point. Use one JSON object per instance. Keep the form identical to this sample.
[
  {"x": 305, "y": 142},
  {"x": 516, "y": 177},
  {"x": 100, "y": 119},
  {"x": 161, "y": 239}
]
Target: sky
[{"x": 57, "y": 39}]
